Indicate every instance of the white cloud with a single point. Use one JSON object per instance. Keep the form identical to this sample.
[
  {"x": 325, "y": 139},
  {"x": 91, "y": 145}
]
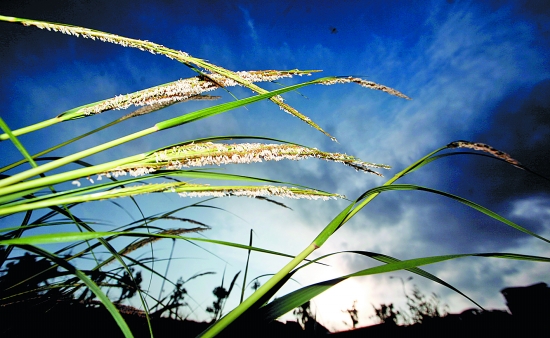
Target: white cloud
[{"x": 250, "y": 24}]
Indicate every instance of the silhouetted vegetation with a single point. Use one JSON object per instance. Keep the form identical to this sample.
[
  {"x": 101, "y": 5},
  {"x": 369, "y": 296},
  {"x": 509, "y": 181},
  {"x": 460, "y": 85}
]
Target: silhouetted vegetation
[
  {"x": 22, "y": 284},
  {"x": 25, "y": 278},
  {"x": 175, "y": 302},
  {"x": 353, "y": 314},
  {"x": 387, "y": 314},
  {"x": 420, "y": 309},
  {"x": 221, "y": 295}
]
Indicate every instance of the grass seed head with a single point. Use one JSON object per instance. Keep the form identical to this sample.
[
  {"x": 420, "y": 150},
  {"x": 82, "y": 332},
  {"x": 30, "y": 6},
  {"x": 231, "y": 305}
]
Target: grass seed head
[
  {"x": 208, "y": 153},
  {"x": 252, "y": 192},
  {"x": 366, "y": 84},
  {"x": 485, "y": 148}
]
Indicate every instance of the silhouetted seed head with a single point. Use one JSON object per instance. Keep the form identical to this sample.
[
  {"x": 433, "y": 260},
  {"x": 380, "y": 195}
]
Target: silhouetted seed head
[
  {"x": 485, "y": 148},
  {"x": 143, "y": 242}
]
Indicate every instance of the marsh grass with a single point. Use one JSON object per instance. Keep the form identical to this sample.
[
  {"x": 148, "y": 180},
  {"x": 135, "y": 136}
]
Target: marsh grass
[{"x": 166, "y": 170}]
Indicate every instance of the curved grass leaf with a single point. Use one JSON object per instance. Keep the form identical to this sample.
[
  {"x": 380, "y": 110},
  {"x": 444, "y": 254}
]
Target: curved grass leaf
[
  {"x": 184, "y": 188},
  {"x": 16, "y": 142},
  {"x": 82, "y": 236},
  {"x": 388, "y": 259},
  {"x": 456, "y": 198},
  {"x": 252, "y": 315},
  {"x": 284, "y": 304},
  {"x": 519, "y": 166},
  {"x": 263, "y": 293}
]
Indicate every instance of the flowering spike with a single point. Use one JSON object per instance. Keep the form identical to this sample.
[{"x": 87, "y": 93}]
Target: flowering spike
[
  {"x": 182, "y": 90},
  {"x": 253, "y": 192},
  {"x": 366, "y": 84},
  {"x": 485, "y": 148}
]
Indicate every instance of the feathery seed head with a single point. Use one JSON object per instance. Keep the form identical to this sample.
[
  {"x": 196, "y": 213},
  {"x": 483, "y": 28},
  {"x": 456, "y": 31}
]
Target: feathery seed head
[
  {"x": 160, "y": 105},
  {"x": 366, "y": 84},
  {"x": 182, "y": 90},
  {"x": 208, "y": 153},
  {"x": 485, "y": 148},
  {"x": 252, "y": 192},
  {"x": 143, "y": 45}
]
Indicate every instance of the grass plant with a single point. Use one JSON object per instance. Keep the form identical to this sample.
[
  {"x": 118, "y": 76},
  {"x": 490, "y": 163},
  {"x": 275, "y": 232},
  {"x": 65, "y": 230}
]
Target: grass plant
[{"x": 48, "y": 189}]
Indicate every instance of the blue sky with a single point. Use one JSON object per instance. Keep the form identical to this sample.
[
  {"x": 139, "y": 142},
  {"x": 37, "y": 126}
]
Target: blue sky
[{"x": 476, "y": 71}]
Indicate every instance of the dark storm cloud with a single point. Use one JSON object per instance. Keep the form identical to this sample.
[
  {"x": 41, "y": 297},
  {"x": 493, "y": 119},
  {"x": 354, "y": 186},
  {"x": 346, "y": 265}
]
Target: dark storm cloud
[
  {"x": 520, "y": 127},
  {"x": 106, "y": 15}
]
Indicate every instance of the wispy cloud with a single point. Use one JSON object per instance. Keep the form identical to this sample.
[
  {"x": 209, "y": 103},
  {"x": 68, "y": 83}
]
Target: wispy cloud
[
  {"x": 249, "y": 24},
  {"x": 464, "y": 64}
]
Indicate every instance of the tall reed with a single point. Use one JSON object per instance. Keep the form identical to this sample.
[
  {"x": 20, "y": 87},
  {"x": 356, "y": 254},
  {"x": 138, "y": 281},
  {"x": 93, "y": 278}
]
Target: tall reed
[{"x": 169, "y": 170}]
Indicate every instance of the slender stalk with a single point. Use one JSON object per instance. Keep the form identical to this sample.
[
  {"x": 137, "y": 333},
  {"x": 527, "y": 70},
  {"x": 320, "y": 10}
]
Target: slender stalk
[
  {"x": 65, "y": 116},
  {"x": 71, "y": 158},
  {"x": 334, "y": 225},
  {"x": 16, "y": 142},
  {"x": 246, "y": 267},
  {"x": 67, "y": 176},
  {"x": 167, "y": 269},
  {"x": 31, "y": 128},
  {"x": 239, "y": 310},
  {"x": 15, "y": 164},
  {"x": 391, "y": 181}
]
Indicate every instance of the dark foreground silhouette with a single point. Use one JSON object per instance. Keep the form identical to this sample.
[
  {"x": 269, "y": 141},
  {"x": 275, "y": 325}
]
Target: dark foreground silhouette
[{"x": 40, "y": 317}]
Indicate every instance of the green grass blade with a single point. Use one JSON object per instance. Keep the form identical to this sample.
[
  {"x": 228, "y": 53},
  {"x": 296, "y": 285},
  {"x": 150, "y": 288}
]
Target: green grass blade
[
  {"x": 388, "y": 259},
  {"x": 179, "y": 187},
  {"x": 363, "y": 200},
  {"x": 16, "y": 142},
  {"x": 31, "y": 128},
  {"x": 332, "y": 226},
  {"x": 252, "y": 315},
  {"x": 246, "y": 267},
  {"x": 284, "y": 304},
  {"x": 456, "y": 198},
  {"x": 82, "y": 236},
  {"x": 211, "y": 111}
]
